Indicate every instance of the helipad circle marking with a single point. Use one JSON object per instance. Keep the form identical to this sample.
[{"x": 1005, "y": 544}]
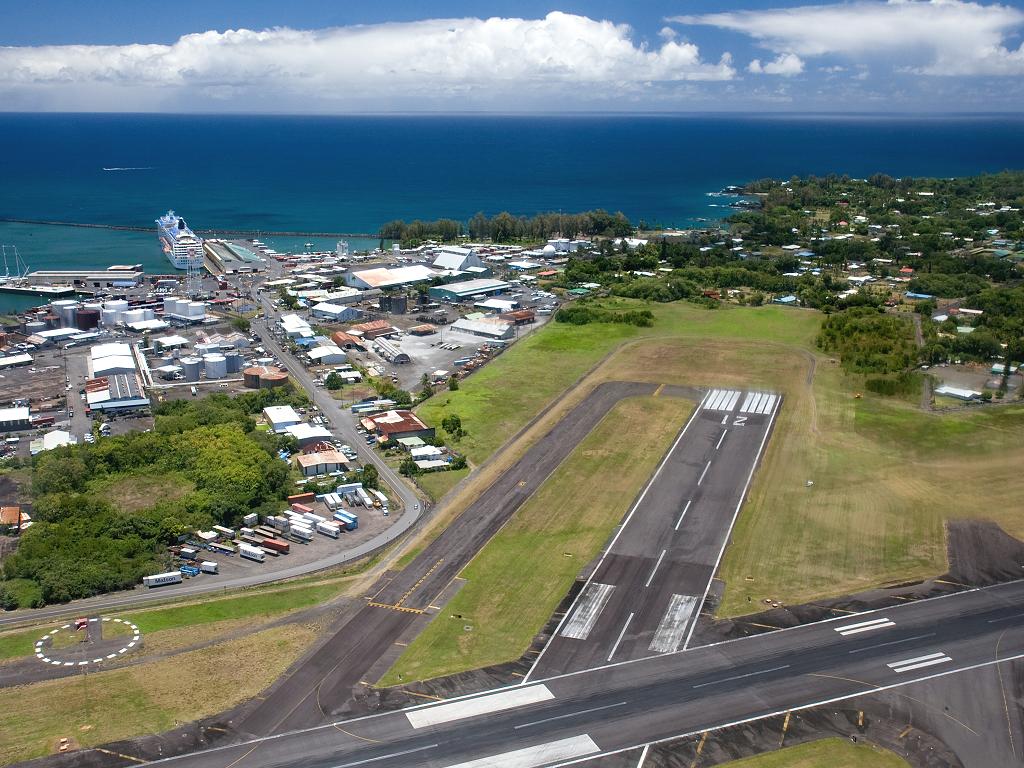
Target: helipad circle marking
[{"x": 135, "y": 638}]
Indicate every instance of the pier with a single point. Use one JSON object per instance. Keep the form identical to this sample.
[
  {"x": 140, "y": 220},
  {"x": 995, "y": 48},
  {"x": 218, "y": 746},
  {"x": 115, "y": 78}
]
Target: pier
[{"x": 246, "y": 233}]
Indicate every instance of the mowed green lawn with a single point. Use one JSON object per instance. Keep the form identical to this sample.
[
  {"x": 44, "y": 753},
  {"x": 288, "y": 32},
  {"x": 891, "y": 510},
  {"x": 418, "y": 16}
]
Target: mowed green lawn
[
  {"x": 826, "y": 753},
  {"x": 517, "y": 580}
]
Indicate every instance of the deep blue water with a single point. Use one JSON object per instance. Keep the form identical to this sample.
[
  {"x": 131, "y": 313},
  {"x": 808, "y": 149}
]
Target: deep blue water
[{"x": 354, "y": 173}]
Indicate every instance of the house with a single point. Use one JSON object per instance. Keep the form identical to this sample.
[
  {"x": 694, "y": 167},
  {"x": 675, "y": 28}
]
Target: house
[
  {"x": 335, "y": 312},
  {"x": 789, "y": 301},
  {"x": 12, "y": 517},
  {"x": 392, "y": 425},
  {"x": 280, "y": 417}
]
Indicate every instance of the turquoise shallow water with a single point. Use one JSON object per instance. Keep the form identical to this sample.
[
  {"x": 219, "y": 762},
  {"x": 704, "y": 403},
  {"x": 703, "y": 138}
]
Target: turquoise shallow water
[{"x": 351, "y": 174}]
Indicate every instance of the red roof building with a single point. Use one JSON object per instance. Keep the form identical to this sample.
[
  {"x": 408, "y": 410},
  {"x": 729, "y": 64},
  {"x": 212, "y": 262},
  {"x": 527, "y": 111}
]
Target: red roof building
[{"x": 391, "y": 425}]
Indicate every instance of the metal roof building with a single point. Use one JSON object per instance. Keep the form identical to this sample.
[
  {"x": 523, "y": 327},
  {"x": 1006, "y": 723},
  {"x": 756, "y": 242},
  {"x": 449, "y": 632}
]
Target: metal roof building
[{"x": 468, "y": 289}]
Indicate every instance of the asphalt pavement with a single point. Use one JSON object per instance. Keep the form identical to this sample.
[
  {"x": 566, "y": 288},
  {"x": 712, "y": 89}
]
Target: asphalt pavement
[
  {"x": 627, "y": 704},
  {"x": 646, "y": 592}
]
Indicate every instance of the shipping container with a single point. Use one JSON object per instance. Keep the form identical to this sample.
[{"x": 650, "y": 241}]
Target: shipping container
[
  {"x": 305, "y": 534},
  {"x": 312, "y": 518},
  {"x": 159, "y": 579},
  {"x": 302, "y": 498},
  {"x": 245, "y": 531},
  {"x": 227, "y": 533},
  {"x": 301, "y": 508},
  {"x": 279, "y": 522},
  {"x": 222, "y": 548},
  {"x": 251, "y": 519},
  {"x": 208, "y": 566},
  {"x": 189, "y": 570},
  {"x": 364, "y": 498},
  {"x": 251, "y": 553},
  {"x": 328, "y": 529},
  {"x": 347, "y": 519},
  {"x": 188, "y": 553},
  {"x": 276, "y": 544}
]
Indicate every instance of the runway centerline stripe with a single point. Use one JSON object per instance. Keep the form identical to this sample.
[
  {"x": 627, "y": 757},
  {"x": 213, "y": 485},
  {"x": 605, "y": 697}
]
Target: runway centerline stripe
[
  {"x": 587, "y": 611},
  {"x": 706, "y": 468},
  {"x": 387, "y": 757},
  {"x": 541, "y": 754},
  {"x": 481, "y": 705},
  {"x": 1005, "y": 618},
  {"x": 741, "y": 677},
  {"x": 876, "y": 646},
  {"x": 673, "y": 624},
  {"x": 654, "y": 570},
  {"x": 571, "y": 714},
  {"x": 724, "y": 433},
  {"x": 681, "y": 516},
  {"x": 619, "y": 638}
]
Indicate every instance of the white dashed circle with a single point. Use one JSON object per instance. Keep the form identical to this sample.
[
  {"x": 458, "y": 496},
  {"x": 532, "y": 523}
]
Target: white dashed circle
[{"x": 136, "y": 636}]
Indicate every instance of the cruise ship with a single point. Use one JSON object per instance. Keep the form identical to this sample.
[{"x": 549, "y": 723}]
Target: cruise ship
[{"x": 181, "y": 245}]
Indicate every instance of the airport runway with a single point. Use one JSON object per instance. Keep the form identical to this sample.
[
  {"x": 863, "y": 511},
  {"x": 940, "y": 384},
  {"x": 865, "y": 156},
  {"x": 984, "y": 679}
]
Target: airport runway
[
  {"x": 647, "y": 590},
  {"x": 627, "y": 704},
  {"x": 320, "y": 687}
]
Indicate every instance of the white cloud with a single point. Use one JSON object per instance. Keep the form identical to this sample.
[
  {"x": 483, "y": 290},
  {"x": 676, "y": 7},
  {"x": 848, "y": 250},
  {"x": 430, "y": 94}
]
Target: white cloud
[
  {"x": 384, "y": 66},
  {"x": 939, "y": 37},
  {"x": 786, "y": 64}
]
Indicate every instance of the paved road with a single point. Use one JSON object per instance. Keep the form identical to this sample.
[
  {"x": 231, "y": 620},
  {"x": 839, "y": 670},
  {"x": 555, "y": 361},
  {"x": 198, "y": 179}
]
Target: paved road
[
  {"x": 320, "y": 687},
  {"x": 626, "y": 704},
  {"x": 647, "y": 590}
]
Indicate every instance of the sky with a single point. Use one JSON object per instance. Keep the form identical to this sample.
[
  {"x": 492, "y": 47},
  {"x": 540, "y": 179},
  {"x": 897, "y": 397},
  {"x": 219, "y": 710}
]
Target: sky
[{"x": 352, "y": 57}]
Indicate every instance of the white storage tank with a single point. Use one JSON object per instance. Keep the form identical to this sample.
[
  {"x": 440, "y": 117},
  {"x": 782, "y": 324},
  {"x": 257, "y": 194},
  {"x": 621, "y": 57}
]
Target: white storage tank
[
  {"x": 216, "y": 366},
  {"x": 108, "y": 316},
  {"x": 34, "y": 326},
  {"x": 134, "y": 316},
  {"x": 196, "y": 309},
  {"x": 191, "y": 366},
  {"x": 66, "y": 310}
]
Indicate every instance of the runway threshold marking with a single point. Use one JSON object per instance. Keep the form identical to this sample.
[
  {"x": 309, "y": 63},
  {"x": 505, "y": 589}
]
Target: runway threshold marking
[
  {"x": 479, "y": 705},
  {"x": 571, "y": 748},
  {"x": 619, "y": 638},
  {"x": 416, "y": 586},
  {"x": 396, "y": 607},
  {"x": 570, "y": 714},
  {"x": 681, "y": 516},
  {"x": 864, "y": 626},
  {"x": 929, "y": 660}
]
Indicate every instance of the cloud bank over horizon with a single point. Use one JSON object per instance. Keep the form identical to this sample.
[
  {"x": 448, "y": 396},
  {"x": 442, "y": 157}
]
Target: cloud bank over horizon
[{"x": 860, "y": 54}]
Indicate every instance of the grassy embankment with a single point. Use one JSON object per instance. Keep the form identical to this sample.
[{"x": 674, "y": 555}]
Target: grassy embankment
[
  {"x": 827, "y": 753},
  {"x": 504, "y": 603}
]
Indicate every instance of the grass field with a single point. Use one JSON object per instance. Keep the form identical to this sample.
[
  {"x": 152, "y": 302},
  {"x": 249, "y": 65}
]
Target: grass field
[
  {"x": 437, "y": 484},
  {"x": 507, "y": 604},
  {"x": 134, "y": 492},
  {"x": 886, "y": 475},
  {"x": 254, "y": 605},
  {"x": 106, "y": 706},
  {"x": 826, "y": 753}
]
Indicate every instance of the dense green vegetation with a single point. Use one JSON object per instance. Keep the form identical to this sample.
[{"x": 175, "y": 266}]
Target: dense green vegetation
[
  {"x": 867, "y": 341},
  {"x": 506, "y": 228},
  {"x": 584, "y": 313},
  {"x": 81, "y": 545}
]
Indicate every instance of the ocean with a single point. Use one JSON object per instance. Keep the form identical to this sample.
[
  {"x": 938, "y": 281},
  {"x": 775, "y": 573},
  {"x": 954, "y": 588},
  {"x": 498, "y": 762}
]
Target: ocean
[{"x": 351, "y": 174}]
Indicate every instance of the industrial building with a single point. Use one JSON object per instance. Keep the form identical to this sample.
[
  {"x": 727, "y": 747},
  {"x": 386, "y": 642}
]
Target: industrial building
[
  {"x": 489, "y": 327},
  {"x": 308, "y": 434},
  {"x": 373, "y": 330},
  {"x": 56, "y": 439},
  {"x": 321, "y": 463},
  {"x": 347, "y": 340},
  {"x": 280, "y": 417},
  {"x": 391, "y": 425},
  {"x": 456, "y": 258},
  {"x": 14, "y": 418},
  {"x": 390, "y": 351},
  {"x": 111, "y": 359},
  {"x": 327, "y": 355},
  {"x": 115, "y": 392},
  {"x": 295, "y": 327},
  {"x": 336, "y": 312},
  {"x": 468, "y": 289},
  {"x": 384, "y": 277},
  {"x": 87, "y": 278}
]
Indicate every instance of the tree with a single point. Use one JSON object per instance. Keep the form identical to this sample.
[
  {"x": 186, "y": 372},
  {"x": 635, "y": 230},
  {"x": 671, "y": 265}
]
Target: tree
[
  {"x": 452, "y": 424},
  {"x": 453, "y": 383},
  {"x": 240, "y": 323},
  {"x": 408, "y": 467},
  {"x": 334, "y": 381},
  {"x": 459, "y": 462},
  {"x": 370, "y": 477}
]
